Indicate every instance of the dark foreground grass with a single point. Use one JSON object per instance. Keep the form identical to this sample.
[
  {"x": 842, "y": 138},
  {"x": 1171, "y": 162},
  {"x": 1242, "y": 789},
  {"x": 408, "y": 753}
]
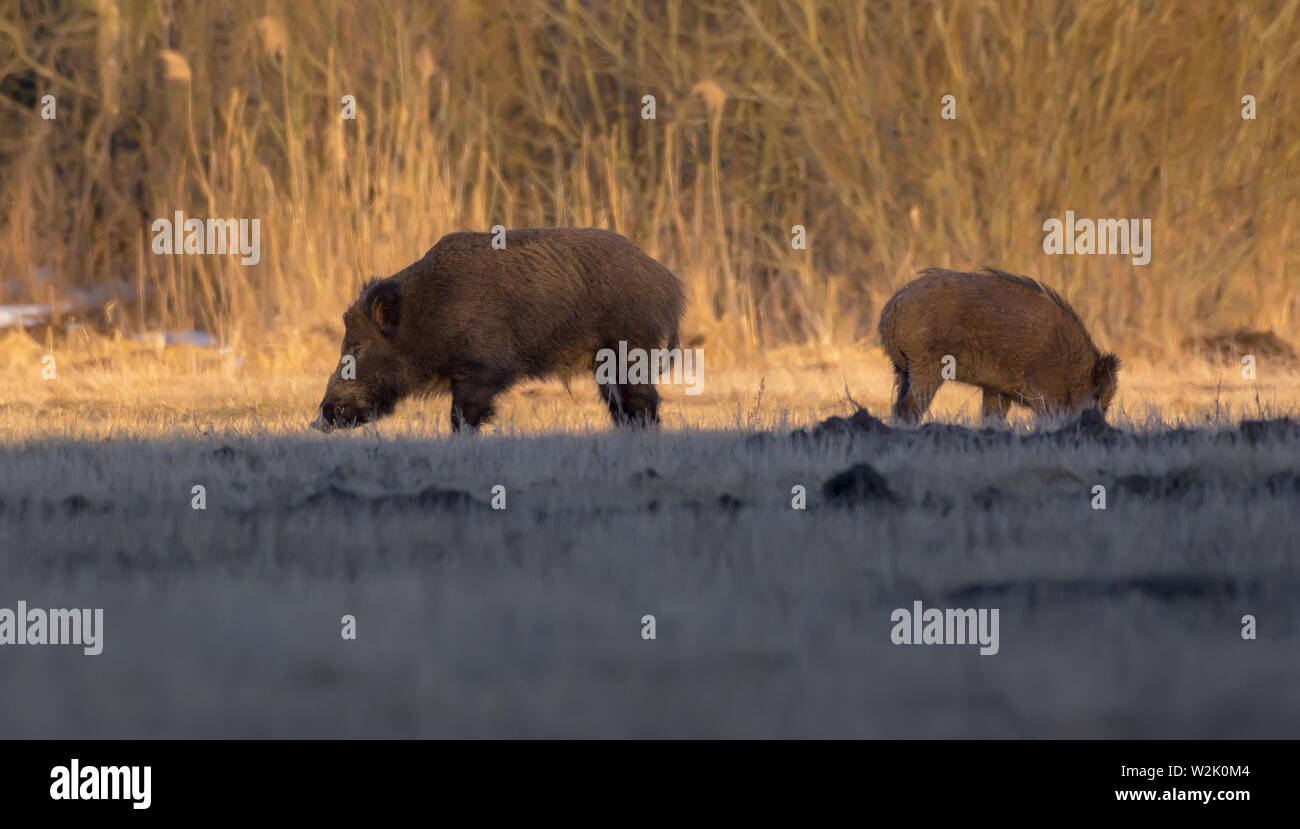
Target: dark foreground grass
[{"x": 770, "y": 621}]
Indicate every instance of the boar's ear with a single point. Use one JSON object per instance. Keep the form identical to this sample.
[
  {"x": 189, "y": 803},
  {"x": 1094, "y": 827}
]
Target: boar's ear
[{"x": 383, "y": 307}]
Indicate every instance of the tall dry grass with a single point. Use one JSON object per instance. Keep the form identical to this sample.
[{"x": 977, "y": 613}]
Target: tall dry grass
[{"x": 770, "y": 114}]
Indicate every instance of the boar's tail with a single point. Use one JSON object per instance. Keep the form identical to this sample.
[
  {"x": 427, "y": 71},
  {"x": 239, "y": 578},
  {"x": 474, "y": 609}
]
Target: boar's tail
[{"x": 887, "y": 328}]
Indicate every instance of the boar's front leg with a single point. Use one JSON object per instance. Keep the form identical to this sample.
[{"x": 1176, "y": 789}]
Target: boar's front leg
[{"x": 472, "y": 396}]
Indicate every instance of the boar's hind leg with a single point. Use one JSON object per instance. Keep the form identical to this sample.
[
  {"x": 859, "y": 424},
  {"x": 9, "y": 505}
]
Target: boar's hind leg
[
  {"x": 471, "y": 397},
  {"x": 915, "y": 391},
  {"x": 631, "y": 404},
  {"x": 995, "y": 405}
]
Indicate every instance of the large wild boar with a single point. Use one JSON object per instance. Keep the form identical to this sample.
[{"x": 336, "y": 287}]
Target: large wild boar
[
  {"x": 473, "y": 320},
  {"x": 1013, "y": 337}
]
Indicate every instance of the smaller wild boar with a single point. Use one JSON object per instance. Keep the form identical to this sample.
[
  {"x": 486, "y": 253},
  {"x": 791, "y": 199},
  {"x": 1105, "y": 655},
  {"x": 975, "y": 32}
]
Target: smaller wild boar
[
  {"x": 1012, "y": 336},
  {"x": 473, "y": 320}
]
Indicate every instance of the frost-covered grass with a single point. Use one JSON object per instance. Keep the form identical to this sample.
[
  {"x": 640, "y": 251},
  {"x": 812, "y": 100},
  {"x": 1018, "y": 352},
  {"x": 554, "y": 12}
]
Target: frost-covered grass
[{"x": 770, "y": 621}]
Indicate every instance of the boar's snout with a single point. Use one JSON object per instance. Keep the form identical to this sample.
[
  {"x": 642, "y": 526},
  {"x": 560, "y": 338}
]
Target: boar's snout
[
  {"x": 333, "y": 416},
  {"x": 324, "y": 421}
]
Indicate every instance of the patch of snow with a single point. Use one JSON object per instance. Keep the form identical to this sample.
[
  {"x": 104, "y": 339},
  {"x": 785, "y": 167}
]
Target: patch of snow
[{"x": 198, "y": 339}]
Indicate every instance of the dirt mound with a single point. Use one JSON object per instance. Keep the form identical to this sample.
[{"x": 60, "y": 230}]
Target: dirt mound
[
  {"x": 1231, "y": 346},
  {"x": 859, "y": 484}
]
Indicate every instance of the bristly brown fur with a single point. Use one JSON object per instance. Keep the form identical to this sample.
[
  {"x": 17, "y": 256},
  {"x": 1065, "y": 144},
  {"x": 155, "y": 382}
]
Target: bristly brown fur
[
  {"x": 1025, "y": 282},
  {"x": 475, "y": 319},
  {"x": 1013, "y": 336}
]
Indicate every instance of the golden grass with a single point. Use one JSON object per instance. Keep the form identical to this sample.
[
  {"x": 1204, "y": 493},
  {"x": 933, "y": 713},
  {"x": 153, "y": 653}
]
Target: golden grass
[
  {"x": 769, "y": 114},
  {"x": 106, "y": 387}
]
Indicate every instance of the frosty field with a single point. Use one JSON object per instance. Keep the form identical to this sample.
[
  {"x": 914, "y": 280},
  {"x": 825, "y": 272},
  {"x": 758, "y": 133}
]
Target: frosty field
[
  {"x": 527, "y": 621},
  {"x": 795, "y": 165}
]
